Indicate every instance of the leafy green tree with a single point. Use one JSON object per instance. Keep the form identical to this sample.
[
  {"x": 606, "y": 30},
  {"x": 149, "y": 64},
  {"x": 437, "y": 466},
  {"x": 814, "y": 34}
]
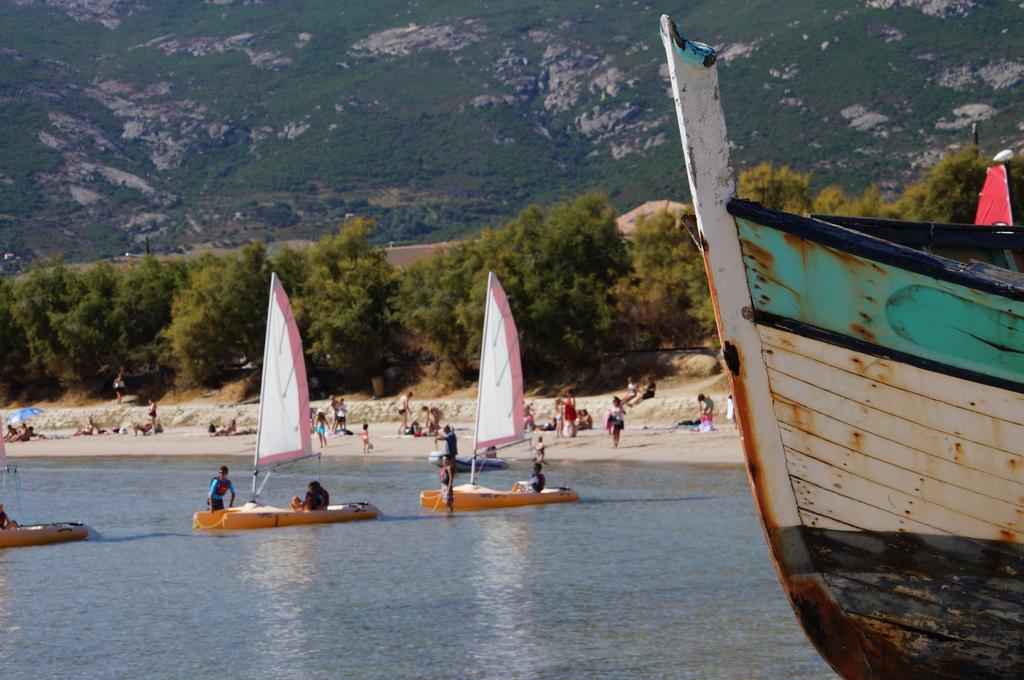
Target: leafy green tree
[
  {"x": 666, "y": 302},
  {"x": 219, "y": 318},
  {"x": 41, "y": 299},
  {"x": 89, "y": 329},
  {"x": 14, "y": 369},
  {"x": 145, "y": 299},
  {"x": 776, "y": 188},
  {"x": 348, "y": 307}
]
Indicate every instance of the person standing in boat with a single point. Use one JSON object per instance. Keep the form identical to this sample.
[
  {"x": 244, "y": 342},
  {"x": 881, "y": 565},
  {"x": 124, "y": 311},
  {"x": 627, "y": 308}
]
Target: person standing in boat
[
  {"x": 403, "y": 412},
  {"x": 219, "y": 487},
  {"x": 535, "y": 484},
  {"x": 447, "y": 475},
  {"x": 5, "y": 521},
  {"x": 317, "y": 498}
]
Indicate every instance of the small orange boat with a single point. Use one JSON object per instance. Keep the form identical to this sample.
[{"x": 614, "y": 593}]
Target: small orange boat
[
  {"x": 256, "y": 516},
  {"x": 476, "y": 497},
  {"x": 43, "y": 534}
]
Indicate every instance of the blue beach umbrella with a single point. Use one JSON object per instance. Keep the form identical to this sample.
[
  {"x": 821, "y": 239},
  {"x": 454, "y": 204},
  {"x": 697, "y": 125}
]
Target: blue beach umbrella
[{"x": 22, "y": 414}]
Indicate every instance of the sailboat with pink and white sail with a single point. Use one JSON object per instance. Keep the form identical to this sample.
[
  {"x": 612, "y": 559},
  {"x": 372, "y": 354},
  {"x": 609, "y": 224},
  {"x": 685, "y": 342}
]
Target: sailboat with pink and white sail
[
  {"x": 499, "y": 411},
  {"x": 283, "y": 436}
]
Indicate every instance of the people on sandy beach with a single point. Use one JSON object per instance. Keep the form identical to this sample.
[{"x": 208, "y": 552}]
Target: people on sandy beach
[
  {"x": 5, "y": 521},
  {"x": 219, "y": 487},
  {"x": 433, "y": 416},
  {"x": 86, "y": 430},
  {"x": 367, "y": 446},
  {"x": 321, "y": 427},
  {"x": 706, "y": 406},
  {"x": 152, "y": 416},
  {"x": 403, "y": 411},
  {"x": 528, "y": 423},
  {"x": 615, "y": 421},
  {"x": 227, "y": 430},
  {"x": 632, "y": 390},
  {"x": 120, "y": 387},
  {"x": 586, "y": 421},
  {"x": 12, "y": 433},
  {"x": 569, "y": 407},
  {"x": 317, "y": 498},
  {"x": 559, "y": 417},
  {"x": 340, "y": 410},
  {"x": 538, "y": 456}
]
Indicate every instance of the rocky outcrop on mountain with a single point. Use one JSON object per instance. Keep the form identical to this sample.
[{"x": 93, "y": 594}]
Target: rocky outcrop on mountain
[
  {"x": 201, "y": 46},
  {"x": 862, "y": 120},
  {"x": 165, "y": 127},
  {"x": 935, "y": 8},
  {"x": 998, "y": 75},
  {"x": 406, "y": 40},
  {"x": 565, "y": 70},
  {"x": 104, "y": 12},
  {"x": 964, "y": 116}
]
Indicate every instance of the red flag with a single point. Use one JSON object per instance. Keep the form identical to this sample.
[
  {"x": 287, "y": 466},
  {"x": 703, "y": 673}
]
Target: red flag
[{"x": 994, "y": 204}]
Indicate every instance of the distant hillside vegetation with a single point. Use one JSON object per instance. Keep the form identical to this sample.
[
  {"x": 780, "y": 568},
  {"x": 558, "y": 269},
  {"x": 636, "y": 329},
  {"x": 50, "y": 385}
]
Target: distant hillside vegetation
[{"x": 215, "y": 122}]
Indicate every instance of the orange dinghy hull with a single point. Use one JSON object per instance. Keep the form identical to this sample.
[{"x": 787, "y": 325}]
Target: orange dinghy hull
[
  {"x": 476, "y": 497},
  {"x": 253, "y": 516},
  {"x": 43, "y": 534}
]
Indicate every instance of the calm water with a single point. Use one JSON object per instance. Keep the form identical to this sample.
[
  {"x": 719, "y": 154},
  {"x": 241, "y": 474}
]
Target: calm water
[{"x": 662, "y": 571}]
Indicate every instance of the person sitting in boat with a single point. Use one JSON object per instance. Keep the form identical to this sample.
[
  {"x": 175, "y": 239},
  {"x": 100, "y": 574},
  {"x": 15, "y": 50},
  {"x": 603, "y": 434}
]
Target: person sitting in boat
[
  {"x": 219, "y": 486},
  {"x": 447, "y": 475},
  {"x": 317, "y": 498},
  {"x": 535, "y": 483},
  {"x": 5, "y": 521},
  {"x": 586, "y": 420}
]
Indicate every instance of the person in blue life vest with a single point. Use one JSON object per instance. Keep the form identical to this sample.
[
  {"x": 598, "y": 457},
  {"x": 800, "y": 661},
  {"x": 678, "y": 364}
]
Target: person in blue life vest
[
  {"x": 535, "y": 484},
  {"x": 317, "y": 498},
  {"x": 219, "y": 487}
]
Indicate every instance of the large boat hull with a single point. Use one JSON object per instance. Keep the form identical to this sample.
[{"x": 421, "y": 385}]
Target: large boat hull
[
  {"x": 253, "y": 516},
  {"x": 476, "y": 497},
  {"x": 43, "y": 534},
  {"x": 879, "y": 394}
]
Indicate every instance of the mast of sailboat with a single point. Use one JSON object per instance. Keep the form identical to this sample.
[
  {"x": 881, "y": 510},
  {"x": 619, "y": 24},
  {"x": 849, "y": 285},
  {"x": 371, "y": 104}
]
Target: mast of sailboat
[
  {"x": 480, "y": 382},
  {"x": 263, "y": 382}
]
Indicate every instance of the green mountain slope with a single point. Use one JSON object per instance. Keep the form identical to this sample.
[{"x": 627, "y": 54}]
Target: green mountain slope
[{"x": 218, "y": 121}]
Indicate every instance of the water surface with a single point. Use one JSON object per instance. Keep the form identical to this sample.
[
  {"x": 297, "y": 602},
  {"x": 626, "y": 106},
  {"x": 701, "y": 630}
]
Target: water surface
[{"x": 662, "y": 571}]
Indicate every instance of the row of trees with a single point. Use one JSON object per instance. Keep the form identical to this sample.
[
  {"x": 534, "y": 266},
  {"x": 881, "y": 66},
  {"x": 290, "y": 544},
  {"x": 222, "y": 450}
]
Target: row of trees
[
  {"x": 578, "y": 288},
  {"x": 948, "y": 192}
]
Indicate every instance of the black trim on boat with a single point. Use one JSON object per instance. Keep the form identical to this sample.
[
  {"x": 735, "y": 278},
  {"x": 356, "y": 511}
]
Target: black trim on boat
[
  {"x": 917, "y": 234},
  {"x": 839, "y": 340},
  {"x": 985, "y": 278}
]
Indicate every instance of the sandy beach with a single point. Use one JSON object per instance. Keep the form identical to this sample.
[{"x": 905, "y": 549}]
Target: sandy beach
[{"x": 649, "y": 436}]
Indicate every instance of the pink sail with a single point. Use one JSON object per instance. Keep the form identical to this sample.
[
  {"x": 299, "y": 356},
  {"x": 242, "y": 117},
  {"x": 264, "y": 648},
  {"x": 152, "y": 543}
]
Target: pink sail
[
  {"x": 994, "y": 204},
  {"x": 499, "y": 401},
  {"x": 284, "y": 393}
]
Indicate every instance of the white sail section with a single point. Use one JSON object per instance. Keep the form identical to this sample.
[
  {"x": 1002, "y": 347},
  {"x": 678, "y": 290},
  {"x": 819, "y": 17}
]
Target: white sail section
[
  {"x": 499, "y": 401},
  {"x": 284, "y": 394}
]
